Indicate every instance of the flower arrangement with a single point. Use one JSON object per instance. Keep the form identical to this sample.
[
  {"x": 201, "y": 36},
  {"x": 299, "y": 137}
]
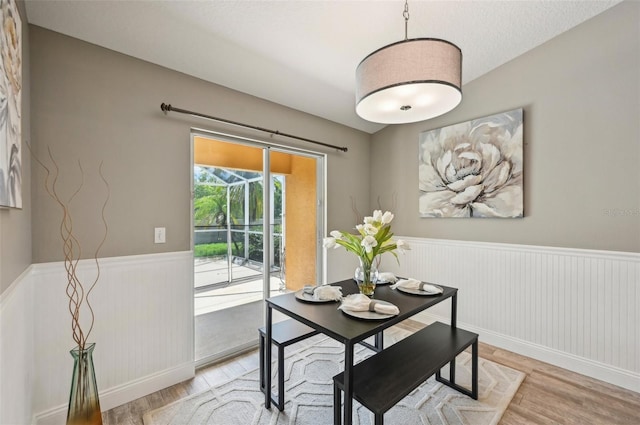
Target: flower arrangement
[{"x": 374, "y": 238}]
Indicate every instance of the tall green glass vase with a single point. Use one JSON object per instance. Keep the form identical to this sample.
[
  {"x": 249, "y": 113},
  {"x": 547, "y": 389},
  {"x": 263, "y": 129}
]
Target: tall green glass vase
[{"x": 84, "y": 405}]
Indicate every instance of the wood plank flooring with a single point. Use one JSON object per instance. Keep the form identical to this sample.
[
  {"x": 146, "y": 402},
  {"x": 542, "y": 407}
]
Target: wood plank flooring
[{"x": 548, "y": 394}]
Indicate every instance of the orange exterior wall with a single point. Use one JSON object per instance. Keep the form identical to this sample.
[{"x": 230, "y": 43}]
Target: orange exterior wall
[
  {"x": 239, "y": 157},
  {"x": 300, "y": 231}
]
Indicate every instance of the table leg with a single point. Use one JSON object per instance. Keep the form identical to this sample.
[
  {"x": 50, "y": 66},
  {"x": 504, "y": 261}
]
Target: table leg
[
  {"x": 474, "y": 370},
  {"x": 348, "y": 383},
  {"x": 267, "y": 360},
  {"x": 379, "y": 341},
  {"x": 454, "y": 324}
]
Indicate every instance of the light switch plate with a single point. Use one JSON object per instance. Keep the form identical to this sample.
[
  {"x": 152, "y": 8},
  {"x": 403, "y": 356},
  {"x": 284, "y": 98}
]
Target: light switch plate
[{"x": 160, "y": 235}]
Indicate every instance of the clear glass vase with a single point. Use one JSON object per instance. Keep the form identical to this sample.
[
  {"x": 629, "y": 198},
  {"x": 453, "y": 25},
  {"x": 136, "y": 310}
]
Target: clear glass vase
[
  {"x": 84, "y": 405},
  {"x": 366, "y": 275}
]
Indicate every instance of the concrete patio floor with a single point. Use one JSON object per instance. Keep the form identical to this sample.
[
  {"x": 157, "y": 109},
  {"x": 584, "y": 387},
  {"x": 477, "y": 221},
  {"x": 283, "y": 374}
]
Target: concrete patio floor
[{"x": 214, "y": 293}]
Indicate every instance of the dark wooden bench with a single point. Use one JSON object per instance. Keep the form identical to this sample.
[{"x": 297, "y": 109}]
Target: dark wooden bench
[
  {"x": 384, "y": 379},
  {"x": 282, "y": 334}
]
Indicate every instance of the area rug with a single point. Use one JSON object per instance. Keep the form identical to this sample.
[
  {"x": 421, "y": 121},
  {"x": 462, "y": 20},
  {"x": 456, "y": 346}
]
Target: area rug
[{"x": 309, "y": 395}]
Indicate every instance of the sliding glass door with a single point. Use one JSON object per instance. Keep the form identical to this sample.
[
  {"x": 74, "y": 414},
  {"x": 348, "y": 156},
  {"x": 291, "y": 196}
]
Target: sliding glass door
[{"x": 258, "y": 215}]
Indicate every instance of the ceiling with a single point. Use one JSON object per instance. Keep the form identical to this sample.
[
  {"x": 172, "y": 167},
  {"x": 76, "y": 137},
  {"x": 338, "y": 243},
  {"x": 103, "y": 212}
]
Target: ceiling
[{"x": 303, "y": 54}]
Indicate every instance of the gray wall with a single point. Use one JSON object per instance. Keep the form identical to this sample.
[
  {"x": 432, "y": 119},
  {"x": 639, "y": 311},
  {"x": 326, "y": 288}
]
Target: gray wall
[
  {"x": 15, "y": 225},
  {"x": 92, "y": 104},
  {"x": 581, "y": 98},
  {"x": 580, "y": 93}
]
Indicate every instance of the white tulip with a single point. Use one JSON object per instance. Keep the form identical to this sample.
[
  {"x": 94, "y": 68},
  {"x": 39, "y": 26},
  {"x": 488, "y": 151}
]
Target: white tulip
[
  {"x": 387, "y": 217},
  {"x": 403, "y": 246},
  {"x": 368, "y": 242},
  {"x": 329, "y": 243},
  {"x": 370, "y": 229},
  {"x": 336, "y": 234}
]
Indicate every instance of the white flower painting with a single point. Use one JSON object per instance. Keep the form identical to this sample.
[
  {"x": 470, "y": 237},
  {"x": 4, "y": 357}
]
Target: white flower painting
[
  {"x": 10, "y": 105},
  {"x": 473, "y": 169}
]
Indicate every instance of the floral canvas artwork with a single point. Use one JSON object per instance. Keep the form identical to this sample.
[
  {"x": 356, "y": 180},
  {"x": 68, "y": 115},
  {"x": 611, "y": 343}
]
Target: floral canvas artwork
[
  {"x": 10, "y": 105},
  {"x": 473, "y": 169}
]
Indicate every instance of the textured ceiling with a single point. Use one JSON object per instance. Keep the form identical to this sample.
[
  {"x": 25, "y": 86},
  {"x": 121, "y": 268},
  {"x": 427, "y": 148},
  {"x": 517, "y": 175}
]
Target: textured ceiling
[{"x": 303, "y": 54}]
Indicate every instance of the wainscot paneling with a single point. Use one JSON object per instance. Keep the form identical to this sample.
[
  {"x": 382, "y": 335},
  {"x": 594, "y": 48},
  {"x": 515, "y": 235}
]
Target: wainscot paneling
[
  {"x": 16, "y": 351},
  {"x": 143, "y": 329},
  {"x": 577, "y": 309}
]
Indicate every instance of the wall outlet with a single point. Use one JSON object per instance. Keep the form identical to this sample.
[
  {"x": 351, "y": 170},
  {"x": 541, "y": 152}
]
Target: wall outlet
[{"x": 160, "y": 235}]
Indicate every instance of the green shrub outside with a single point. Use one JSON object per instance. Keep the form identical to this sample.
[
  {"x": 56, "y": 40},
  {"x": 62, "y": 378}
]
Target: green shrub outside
[
  {"x": 210, "y": 250},
  {"x": 220, "y": 249}
]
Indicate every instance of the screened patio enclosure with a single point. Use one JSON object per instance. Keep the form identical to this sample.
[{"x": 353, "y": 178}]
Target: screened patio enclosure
[{"x": 228, "y": 227}]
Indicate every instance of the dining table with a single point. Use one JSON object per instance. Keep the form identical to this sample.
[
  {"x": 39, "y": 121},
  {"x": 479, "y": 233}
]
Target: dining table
[{"x": 349, "y": 329}]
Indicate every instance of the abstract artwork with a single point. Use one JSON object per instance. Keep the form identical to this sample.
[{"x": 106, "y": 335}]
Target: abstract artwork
[
  {"x": 10, "y": 105},
  {"x": 473, "y": 169}
]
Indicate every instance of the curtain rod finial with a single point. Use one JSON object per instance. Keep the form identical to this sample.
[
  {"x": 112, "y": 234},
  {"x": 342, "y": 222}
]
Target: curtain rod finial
[{"x": 165, "y": 108}]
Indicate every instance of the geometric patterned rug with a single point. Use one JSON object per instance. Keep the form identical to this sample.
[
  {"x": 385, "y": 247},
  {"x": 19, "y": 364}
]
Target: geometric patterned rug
[{"x": 309, "y": 394}]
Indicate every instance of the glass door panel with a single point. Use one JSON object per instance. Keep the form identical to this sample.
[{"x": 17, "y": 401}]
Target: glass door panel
[{"x": 255, "y": 235}]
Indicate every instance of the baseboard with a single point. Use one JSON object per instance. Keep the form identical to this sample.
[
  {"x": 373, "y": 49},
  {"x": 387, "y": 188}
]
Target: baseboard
[
  {"x": 226, "y": 354},
  {"x": 122, "y": 394},
  {"x": 600, "y": 371}
]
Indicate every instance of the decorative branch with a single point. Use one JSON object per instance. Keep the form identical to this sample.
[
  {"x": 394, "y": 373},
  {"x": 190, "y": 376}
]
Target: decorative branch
[
  {"x": 359, "y": 217},
  {"x": 394, "y": 202},
  {"x": 104, "y": 238},
  {"x": 76, "y": 291}
]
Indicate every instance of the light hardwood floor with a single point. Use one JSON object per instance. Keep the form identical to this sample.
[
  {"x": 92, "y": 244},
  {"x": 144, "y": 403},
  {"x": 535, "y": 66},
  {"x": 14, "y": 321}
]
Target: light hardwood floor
[{"x": 548, "y": 394}]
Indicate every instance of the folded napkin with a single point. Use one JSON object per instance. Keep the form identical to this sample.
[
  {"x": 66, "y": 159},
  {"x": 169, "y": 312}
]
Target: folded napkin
[
  {"x": 416, "y": 284},
  {"x": 324, "y": 293},
  {"x": 360, "y": 302},
  {"x": 387, "y": 277}
]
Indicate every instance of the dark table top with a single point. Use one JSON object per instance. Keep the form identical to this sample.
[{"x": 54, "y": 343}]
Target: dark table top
[{"x": 326, "y": 317}]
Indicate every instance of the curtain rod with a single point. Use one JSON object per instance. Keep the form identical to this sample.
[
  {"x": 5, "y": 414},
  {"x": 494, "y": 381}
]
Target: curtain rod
[{"x": 168, "y": 108}]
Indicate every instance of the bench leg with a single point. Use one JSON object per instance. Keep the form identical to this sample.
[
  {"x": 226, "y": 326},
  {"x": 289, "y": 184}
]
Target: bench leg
[
  {"x": 473, "y": 393},
  {"x": 337, "y": 404},
  {"x": 262, "y": 363},
  {"x": 279, "y": 401}
]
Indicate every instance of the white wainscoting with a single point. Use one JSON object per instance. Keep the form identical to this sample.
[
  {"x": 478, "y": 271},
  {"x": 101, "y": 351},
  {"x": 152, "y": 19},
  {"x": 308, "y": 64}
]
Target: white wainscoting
[
  {"x": 16, "y": 351},
  {"x": 578, "y": 309},
  {"x": 143, "y": 329}
]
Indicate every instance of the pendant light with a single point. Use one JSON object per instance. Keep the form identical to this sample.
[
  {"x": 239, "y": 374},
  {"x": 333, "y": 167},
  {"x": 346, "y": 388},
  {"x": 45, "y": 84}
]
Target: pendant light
[{"x": 410, "y": 80}]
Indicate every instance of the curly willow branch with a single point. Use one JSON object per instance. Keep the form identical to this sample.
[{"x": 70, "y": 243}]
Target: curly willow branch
[
  {"x": 394, "y": 202},
  {"x": 354, "y": 208},
  {"x": 71, "y": 248},
  {"x": 75, "y": 289},
  {"x": 104, "y": 238},
  {"x": 359, "y": 217}
]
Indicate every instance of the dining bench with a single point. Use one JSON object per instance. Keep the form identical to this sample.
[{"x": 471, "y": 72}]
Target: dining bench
[{"x": 382, "y": 380}]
